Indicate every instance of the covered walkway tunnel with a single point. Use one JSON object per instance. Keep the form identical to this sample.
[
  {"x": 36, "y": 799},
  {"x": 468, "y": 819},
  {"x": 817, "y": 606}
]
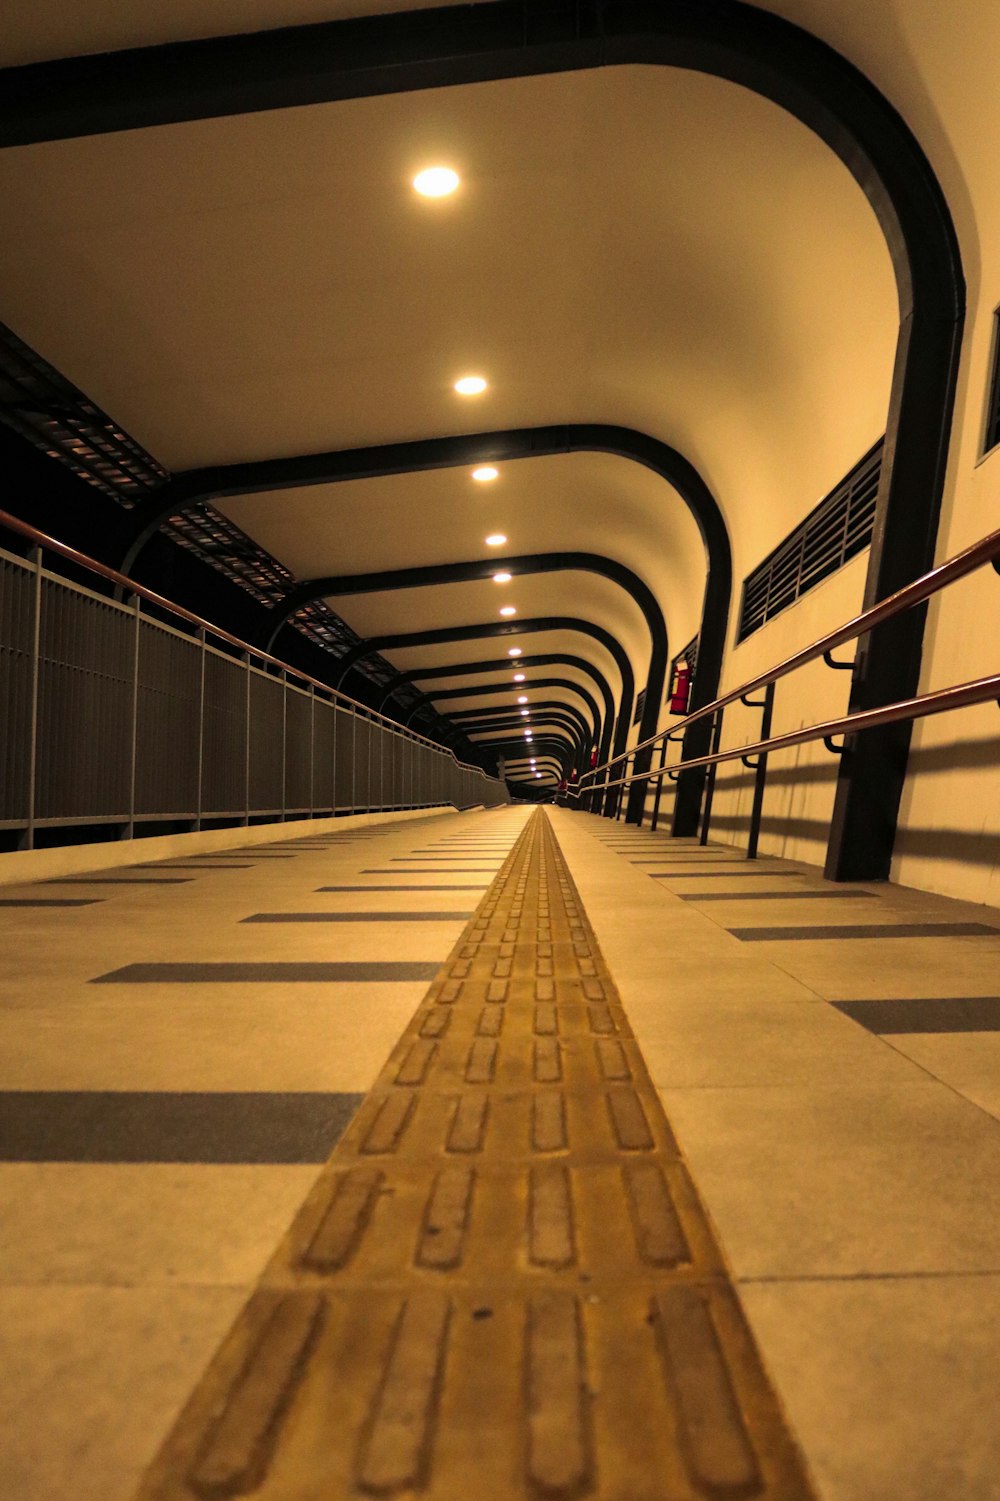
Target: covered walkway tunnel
[{"x": 499, "y": 762}]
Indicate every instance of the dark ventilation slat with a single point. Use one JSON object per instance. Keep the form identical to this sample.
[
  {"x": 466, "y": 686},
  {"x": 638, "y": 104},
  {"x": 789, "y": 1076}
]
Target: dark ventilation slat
[
  {"x": 993, "y": 410},
  {"x": 834, "y": 532}
]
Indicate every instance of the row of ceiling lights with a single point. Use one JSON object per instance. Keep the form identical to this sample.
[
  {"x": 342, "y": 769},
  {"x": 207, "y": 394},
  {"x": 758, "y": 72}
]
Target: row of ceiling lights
[{"x": 441, "y": 182}]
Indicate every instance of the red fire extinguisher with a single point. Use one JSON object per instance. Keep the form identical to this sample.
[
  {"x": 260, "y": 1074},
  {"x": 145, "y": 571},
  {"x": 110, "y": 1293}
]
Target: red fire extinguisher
[{"x": 680, "y": 692}]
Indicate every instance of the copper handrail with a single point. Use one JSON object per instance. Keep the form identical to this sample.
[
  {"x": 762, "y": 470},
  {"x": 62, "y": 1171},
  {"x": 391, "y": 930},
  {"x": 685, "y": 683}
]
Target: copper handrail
[
  {"x": 977, "y": 691},
  {"x": 911, "y": 594},
  {"x": 121, "y": 580}
]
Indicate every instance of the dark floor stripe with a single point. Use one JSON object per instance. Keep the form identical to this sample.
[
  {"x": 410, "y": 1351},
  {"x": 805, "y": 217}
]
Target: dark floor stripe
[
  {"x": 358, "y": 917},
  {"x": 869, "y": 930},
  {"x": 50, "y": 901},
  {"x": 769, "y": 896},
  {"x": 100, "y": 1126},
  {"x": 470, "y": 887},
  {"x": 966, "y": 1013},
  {"x": 118, "y": 880},
  {"x": 171, "y": 865},
  {"x": 264, "y": 972},
  {"x": 403, "y": 859},
  {"x": 724, "y": 875},
  {"x": 455, "y": 870},
  {"x": 673, "y": 860}
]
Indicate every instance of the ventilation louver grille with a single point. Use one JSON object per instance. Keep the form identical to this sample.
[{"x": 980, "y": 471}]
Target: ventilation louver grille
[
  {"x": 640, "y": 704},
  {"x": 839, "y": 527}
]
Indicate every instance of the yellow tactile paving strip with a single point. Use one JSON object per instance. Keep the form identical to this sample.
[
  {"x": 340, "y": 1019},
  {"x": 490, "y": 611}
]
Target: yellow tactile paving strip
[{"x": 503, "y": 1284}]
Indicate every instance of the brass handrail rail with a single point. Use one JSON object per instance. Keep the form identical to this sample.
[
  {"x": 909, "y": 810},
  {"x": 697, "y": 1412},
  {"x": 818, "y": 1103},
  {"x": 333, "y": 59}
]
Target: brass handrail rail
[
  {"x": 976, "y": 691},
  {"x": 922, "y": 588}
]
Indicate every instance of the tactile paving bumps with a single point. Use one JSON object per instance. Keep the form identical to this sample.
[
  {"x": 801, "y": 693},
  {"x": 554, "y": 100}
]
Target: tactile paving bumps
[{"x": 503, "y": 1284}]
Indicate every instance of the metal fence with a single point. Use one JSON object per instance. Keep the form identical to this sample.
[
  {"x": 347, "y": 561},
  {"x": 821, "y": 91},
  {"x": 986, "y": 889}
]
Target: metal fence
[{"x": 110, "y": 715}]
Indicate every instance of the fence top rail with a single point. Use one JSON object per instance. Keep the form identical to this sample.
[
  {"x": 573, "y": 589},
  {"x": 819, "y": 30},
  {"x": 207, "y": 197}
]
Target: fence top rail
[
  {"x": 121, "y": 580},
  {"x": 960, "y": 696},
  {"x": 914, "y": 593}
]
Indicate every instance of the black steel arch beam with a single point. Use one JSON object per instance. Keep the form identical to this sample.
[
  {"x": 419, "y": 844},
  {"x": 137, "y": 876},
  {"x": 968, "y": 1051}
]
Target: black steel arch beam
[
  {"x": 513, "y": 628},
  {"x": 728, "y": 39},
  {"x": 504, "y": 664},
  {"x": 193, "y": 486},
  {"x": 484, "y": 689},
  {"x": 469, "y": 719},
  {"x": 389, "y": 580},
  {"x": 544, "y": 720},
  {"x": 559, "y": 745},
  {"x": 547, "y": 721}
]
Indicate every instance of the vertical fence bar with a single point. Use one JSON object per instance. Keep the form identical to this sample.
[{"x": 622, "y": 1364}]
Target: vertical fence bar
[
  {"x": 312, "y": 750},
  {"x": 36, "y": 658},
  {"x": 246, "y": 747},
  {"x": 760, "y": 774},
  {"x": 201, "y": 728},
  {"x": 284, "y": 745},
  {"x": 659, "y": 786},
  {"x": 706, "y": 817},
  {"x": 134, "y": 747}
]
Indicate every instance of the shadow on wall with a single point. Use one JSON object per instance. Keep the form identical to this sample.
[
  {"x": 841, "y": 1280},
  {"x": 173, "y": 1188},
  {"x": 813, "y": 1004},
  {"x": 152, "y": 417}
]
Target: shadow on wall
[
  {"x": 933, "y": 844},
  {"x": 980, "y": 848}
]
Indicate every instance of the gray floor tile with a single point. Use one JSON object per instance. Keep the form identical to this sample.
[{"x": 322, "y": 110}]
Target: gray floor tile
[
  {"x": 263, "y": 973},
  {"x": 970, "y": 1013},
  {"x": 119, "y": 1126},
  {"x": 383, "y": 917}
]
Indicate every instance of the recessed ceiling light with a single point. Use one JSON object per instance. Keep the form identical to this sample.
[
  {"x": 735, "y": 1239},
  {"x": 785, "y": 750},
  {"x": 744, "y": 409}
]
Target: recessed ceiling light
[
  {"x": 470, "y": 385},
  {"x": 501, "y": 578},
  {"x": 495, "y": 539},
  {"x": 524, "y": 713},
  {"x": 484, "y": 473},
  {"x": 538, "y": 776},
  {"x": 508, "y": 609},
  {"x": 436, "y": 182},
  {"x": 515, "y": 651},
  {"x": 519, "y": 677},
  {"x": 522, "y": 698}
]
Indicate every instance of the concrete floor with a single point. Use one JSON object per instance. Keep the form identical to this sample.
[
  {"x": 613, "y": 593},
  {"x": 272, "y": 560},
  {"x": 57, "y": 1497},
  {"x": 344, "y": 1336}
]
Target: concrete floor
[
  {"x": 852, "y": 1176},
  {"x": 848, "y": 1159}
]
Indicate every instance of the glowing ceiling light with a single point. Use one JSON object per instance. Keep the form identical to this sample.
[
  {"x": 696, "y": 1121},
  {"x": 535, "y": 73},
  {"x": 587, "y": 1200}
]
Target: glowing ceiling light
[
  {"x": 538, "y": 776},
  {"x": 436, "y": 182},
  {"x": 522, "y": 698},
  {"x": 524, "y": 714},
  {"x": 519, "y": 677},
  {"x": 515, "y": 651},
  {"x": 501, "y": 578},
  {"x": 508, "y": 609},
  {"x": 470, "y": 385},
  {"x": 485, "y": 473},
  {"x": 496, "y": 539}
]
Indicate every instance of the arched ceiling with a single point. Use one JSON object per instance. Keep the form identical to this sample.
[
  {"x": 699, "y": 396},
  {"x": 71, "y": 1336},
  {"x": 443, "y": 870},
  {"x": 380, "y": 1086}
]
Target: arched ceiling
[{"x": 704, "y": 271}]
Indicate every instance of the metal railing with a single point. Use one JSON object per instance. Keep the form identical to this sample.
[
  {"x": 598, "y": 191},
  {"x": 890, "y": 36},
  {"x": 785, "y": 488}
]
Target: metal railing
[
  {"x": 600, "y": 782},
  {"x": 111, "y": 714}
]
